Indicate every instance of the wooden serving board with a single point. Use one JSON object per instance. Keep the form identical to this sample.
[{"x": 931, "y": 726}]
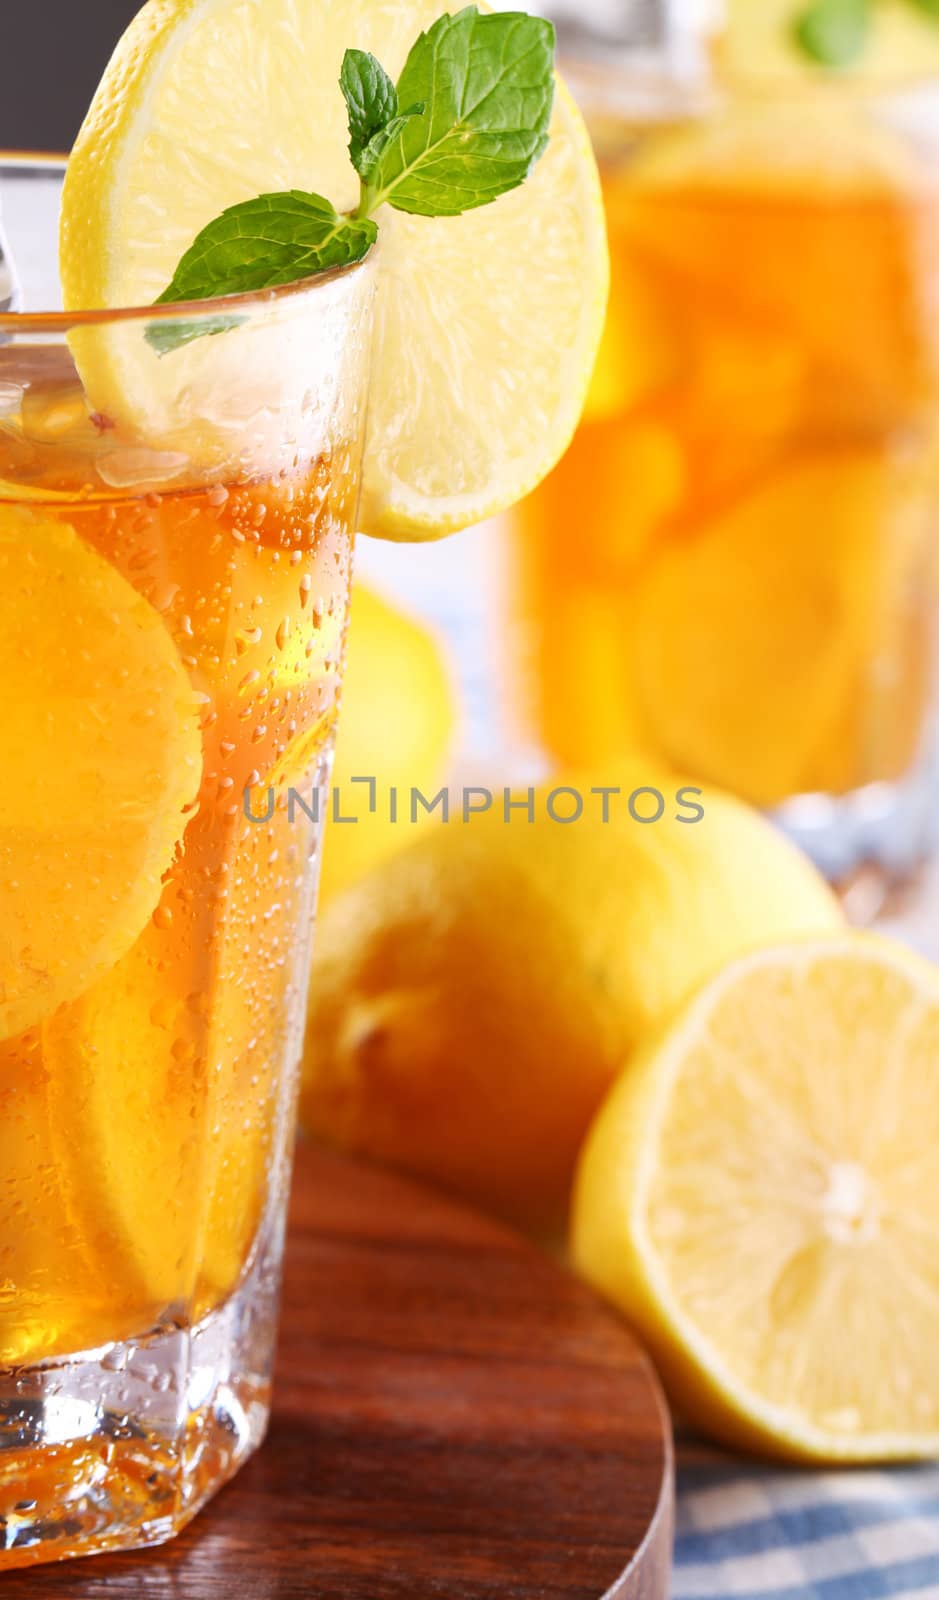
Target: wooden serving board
[{"x": 455, "y": 1419}]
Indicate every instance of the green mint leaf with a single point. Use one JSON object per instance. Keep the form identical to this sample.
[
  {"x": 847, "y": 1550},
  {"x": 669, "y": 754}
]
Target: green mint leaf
[
  {"x": 276, "y": 239},
  {"x": 172, "y": 335},
  {"x": 370, "y": 157},
  {"x": 488, "y": 85},
  {"x": 479, "y": 92},
  {"x": 833, "y": 33},
  {"x": 371, "y": 100}
]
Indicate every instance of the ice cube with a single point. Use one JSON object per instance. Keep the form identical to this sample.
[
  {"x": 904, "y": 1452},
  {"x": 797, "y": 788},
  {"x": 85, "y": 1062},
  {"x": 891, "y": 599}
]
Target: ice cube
[
  {"x": 11, "y": 399},
  {"x": 133, "y": 468}
]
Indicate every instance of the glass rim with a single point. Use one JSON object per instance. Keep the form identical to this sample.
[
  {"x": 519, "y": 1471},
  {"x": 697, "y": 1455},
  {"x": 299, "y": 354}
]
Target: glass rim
[{"x": 62, "y": 322}]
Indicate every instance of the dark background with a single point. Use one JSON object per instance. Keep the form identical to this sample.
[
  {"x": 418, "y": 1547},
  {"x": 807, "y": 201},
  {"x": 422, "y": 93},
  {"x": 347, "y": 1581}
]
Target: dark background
[{"x": 52, "y": 53}]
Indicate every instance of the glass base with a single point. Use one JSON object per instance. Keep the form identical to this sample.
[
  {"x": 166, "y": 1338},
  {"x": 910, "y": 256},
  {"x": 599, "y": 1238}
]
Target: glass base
[
  {"x": 879, "y": 836},
  {"x": 119, "y": 1447}
]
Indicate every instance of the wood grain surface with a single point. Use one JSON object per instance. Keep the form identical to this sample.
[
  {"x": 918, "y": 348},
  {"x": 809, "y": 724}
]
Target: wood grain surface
[{"x": 455, "y": 1418}]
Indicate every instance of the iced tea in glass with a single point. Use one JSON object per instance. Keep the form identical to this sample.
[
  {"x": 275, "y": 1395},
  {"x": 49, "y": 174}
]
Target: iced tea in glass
[
  {"x": 173, "y": 602},
  {"x": 734, "y": 568}
]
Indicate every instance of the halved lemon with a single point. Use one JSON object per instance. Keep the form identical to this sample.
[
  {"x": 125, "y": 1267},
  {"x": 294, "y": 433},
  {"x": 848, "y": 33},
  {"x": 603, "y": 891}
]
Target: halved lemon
[
  {"x": 760, "y": 1194},
  {"x": 487, "y": 324},
  {"x": 101, "y": 756}
]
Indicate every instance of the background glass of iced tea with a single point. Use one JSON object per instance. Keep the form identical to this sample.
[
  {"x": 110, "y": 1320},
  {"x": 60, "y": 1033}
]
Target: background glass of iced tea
[
  {"x": 734, "y": 568},
  {"x": 175, "y": 546}
]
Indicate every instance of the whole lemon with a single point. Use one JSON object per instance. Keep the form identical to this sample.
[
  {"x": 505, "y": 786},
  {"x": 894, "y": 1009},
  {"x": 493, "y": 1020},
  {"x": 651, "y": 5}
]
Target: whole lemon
[
  {"x": 474, "y": 997},
  {"x": 397, "y": 723}
]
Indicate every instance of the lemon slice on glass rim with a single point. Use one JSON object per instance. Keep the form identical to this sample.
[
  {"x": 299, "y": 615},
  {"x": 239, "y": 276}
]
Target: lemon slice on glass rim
[{"x": 487, "y": 323}]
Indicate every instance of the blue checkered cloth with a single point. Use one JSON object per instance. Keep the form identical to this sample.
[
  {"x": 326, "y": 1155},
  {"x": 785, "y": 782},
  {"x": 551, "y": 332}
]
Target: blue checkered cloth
[{"x": 762, "y": 1533}]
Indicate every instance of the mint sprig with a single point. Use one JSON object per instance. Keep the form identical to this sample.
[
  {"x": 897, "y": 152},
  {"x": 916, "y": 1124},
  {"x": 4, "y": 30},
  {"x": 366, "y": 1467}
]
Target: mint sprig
[
  {"x": 487, "y": 84},
  {"x": 835, "y": 33},
  {"x": 478, "y": 92}
]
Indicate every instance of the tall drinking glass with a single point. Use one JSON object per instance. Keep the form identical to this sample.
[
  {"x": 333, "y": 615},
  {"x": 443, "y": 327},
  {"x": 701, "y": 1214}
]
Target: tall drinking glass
[
  {"x": 177, "y": 503},
  {"x": 734, "y": 568}
]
